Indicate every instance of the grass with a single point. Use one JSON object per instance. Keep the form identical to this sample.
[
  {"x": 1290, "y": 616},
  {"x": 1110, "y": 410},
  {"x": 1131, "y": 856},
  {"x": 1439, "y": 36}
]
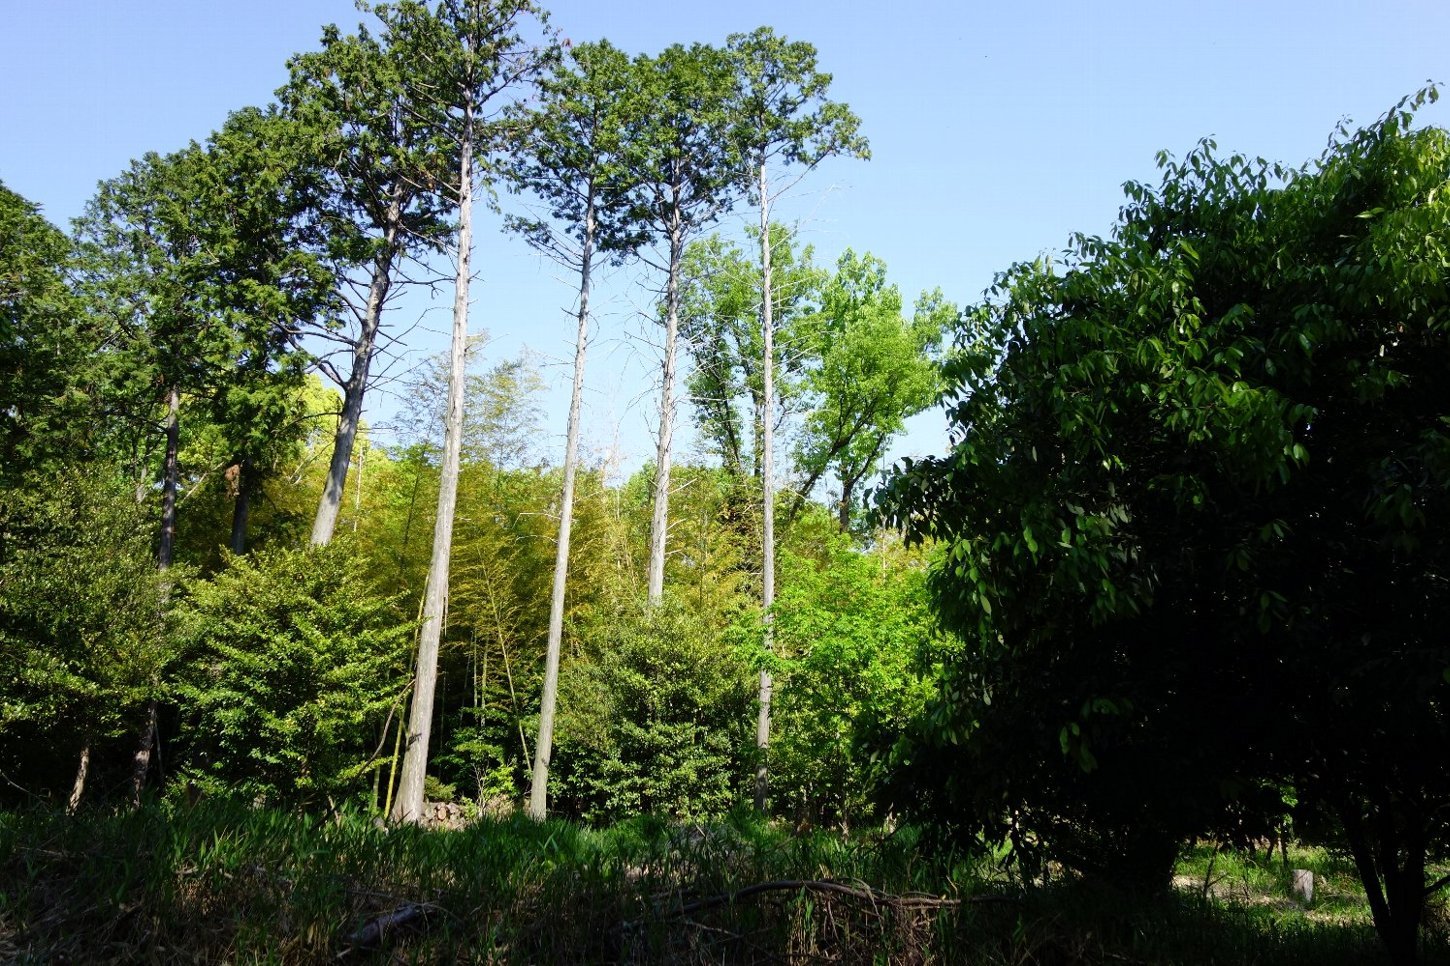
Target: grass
[{"x": 218, "y": 882}]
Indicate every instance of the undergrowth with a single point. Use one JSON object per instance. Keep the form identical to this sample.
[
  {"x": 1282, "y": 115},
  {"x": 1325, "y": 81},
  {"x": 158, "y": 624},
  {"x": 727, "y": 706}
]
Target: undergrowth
[{"x": 220, "y": 882}]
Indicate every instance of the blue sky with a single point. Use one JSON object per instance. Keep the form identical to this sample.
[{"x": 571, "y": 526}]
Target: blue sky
[{"x": 996, "y": 129}]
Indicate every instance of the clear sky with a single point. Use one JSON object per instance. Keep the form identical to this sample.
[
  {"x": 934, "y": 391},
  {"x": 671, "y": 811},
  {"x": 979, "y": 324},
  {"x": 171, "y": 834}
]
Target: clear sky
[{"x": 996, "y": 129}]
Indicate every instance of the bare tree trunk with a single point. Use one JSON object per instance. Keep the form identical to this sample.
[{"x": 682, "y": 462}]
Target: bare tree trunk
[
  {"x": 141, "y": 761},
  {"x": 847, "y": 486},
  {"x": 79, "y": 787},
  {"x": 409, "y": 804},
  {"x": 241, "y": 510},
  {"x": 353, "y": 391},
  {"x": 660, "y": 521},
  {"x": 543, "y": 746},
  {"x": 767, "y": 486},
  {"x": 170, "y": 482}
]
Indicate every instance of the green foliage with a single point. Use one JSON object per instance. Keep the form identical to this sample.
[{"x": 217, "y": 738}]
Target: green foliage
[
  {"x": 873, "y": 368},
  {"x": 782, "y": 114},
  {"x": 654, "y": 721},
  {"x": 857, "y": 657},
  {"x": 43, "y": 342},
  {"x": 293, "y": 661},
  {"x": 1194, "y": 519},
  {"x": 720, "y": 320},
  {"x": 82, "y": 638},
  {"x": 573, "y": 158}
]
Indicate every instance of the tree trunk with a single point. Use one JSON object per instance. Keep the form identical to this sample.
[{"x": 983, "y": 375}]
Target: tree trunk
[
  {"x": 79, "y": 787},
  {"x": 170, "y": 480},
  {"x": 847, "y": 486},
  {"x": 767, "y": 486},
  {"x": 660, "y": 521},
  {"x": 141, "y": 761},
  {"x": 543, "y": 746},
  {"x": 1395, "y": 890},
  {"x": 246, "y": 484},
  {"x": 409, "y": 804},
  {"x": 353, "y": 391}
]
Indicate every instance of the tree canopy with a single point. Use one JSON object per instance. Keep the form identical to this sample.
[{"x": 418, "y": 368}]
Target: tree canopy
[{"x": 1193, "y": 520}]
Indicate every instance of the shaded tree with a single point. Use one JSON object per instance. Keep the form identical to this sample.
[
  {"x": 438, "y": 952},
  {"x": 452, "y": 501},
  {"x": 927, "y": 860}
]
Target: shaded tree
[{"x": 1193, "y": 521}]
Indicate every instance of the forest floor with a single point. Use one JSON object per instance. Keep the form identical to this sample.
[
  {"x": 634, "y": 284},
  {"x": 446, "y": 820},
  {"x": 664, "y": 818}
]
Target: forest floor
[{"x": 218, "y": 883}]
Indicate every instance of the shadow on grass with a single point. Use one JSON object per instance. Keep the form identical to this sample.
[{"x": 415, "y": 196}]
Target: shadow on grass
[{"x": 223, "y": 882}]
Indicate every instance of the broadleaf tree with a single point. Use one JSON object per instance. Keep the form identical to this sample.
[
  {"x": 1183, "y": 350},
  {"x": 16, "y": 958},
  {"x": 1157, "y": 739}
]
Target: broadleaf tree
[{"x": 1193, "y": 523}]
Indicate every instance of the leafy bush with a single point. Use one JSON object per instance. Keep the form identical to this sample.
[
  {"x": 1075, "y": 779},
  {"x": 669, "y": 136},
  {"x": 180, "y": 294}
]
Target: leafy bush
[
  {"x": 293, "y": 663},
  {"x": 656, "y": 719},
  {"x": 858, "y": 651}
]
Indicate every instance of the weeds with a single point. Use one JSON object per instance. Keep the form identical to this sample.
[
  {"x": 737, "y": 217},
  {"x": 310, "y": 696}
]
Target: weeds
[{"x": 221, "y": 882}]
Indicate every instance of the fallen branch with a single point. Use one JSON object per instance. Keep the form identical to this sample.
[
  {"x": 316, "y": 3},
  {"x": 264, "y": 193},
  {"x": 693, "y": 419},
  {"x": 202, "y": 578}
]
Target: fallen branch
[
  {"x": 914, "y": 900},
  {"x": 371, "y": 934}
]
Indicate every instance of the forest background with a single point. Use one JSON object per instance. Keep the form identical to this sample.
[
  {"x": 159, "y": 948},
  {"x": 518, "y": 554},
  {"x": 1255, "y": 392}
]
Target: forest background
[{"x": 166, "y": 333}]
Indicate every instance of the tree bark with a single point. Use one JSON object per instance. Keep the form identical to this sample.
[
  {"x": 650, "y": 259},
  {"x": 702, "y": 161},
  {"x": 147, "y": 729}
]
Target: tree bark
[
  {"x": 1394, "y": 890},
  {"x": 241, "y": 510},
  {"x": 78, "y": 789},
  {"x": 141, "y": 761},
  {"x": 353, "y": 391},
  {"x": 767, "y": 486},
  {"x": 660, "y": 520},
  {"x": 409, "y": 804},
  {"x": 170, "y": 480},
  {"x": 543, "y": 746}
]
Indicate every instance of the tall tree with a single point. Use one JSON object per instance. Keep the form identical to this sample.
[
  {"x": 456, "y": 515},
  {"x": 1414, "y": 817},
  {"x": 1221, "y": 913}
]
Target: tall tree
[
  {"x": 378, "y": 200},
  {"x": 1196, "y": 522},
  {"x": 191, "y": 259},
  {"x": 687, "y": 165},
  {"x": 573, "y": 163},
  {"x": 782, "y": 118},
  {"x": 467, "y": 54}
]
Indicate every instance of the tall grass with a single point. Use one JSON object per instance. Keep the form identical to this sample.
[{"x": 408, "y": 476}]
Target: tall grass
[{"x": 221, "y": 882}]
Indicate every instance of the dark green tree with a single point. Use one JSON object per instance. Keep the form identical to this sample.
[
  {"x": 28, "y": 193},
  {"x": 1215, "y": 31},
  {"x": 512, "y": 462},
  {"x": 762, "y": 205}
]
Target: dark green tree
[
  {"x": 687, "y": 168},
  {"x": 44, "y": 344},
  {"x": 381, "y": 158},
  {"x": 80, "y": 650},
  {"x": 1194, "y": 521},
  {"x": 656, "y": 718}
]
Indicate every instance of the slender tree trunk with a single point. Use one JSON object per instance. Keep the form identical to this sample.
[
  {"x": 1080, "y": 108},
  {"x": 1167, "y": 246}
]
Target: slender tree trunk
[
  {"x": 353, "y": 391},
  {"x": 170, "y": 482},
  {"x": 141, "y": 761},
  {"x": 660, "y": 521},
  {"x": 767, "y": 486},
  {"x": 79, "y": 787},
  {"x": 241, "y": 510},
  {"x": 847, "y": 486},
  {"x": 409, "y": 804},
  {"x": 543, "y": 746}
]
